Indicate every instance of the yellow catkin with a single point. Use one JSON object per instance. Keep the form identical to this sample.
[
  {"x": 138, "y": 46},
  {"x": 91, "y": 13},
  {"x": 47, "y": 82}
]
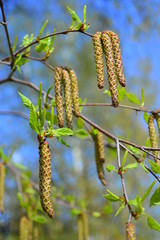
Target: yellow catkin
[
  {"x": 75, "y": 94},
  {"x": 23, "y": 228},
  {"x": 45, "y": 177},
  {"x": 117, "y": 58},
  {"x": 152, "y": 135},
  {"x": 59, "y": 96},
  {"x": 111, "y": 72},
  {"x": 30, "y": 230},
  {"x": 2, "y": 180},
  {"x": 158, "y": 123},
  {"x": 80, "y": 226},
  {"x": 98, "y": 57},
  {"x": 130, "y": 231},
  {"x": 99, "y": 155},
  {"x": 35, "y": 233},
  {"x": 85, "y": 225},
  {"x": 67, "y": 98}
]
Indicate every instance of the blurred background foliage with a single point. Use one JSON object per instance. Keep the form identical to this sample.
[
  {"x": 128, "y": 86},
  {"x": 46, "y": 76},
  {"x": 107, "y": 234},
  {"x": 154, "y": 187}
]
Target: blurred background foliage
[{"x": 137, "y": 24}]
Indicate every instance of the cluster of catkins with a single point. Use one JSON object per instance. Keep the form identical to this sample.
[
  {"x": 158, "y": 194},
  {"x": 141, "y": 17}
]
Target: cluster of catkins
[
  {"x": 68, "y": 78},
  {"x": 2, "y": 179},
  {"x": 26, "y": 229},
  {"x": 152, "y": 133},
  {"x": 108, "y": 42}
]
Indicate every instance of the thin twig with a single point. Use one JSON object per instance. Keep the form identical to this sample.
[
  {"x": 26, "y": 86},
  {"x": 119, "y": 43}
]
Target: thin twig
[
  {"x": 14, "y": 113},
  {"x": 6, "y": 30}
]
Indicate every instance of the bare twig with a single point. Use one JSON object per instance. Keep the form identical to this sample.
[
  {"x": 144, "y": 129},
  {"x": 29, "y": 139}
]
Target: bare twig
[
  {"x": 6, "y": 30},
  {"x": 14, "y": 113}
]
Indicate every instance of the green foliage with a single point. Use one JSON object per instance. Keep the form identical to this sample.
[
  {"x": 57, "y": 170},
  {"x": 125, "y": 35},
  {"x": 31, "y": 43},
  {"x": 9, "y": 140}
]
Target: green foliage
[
  {"x": 146, "y": 117},
  {"x": 15, "y": 43},
  {"x": 121, "y": 93},
  {"x": 131, "y": 166},
  {"x": 119, "y": 210},
  {"x": 155, "y": 198},
  {"x": 27, "y": 40},
  {"x": 75, "y": 211},
  {"x": 110, "y": 168},
  {"x": 27, "y": 103},
  {"x": 152, "y": 223},
  {"x": 76, "y": 20},
  {"x": 96, "y": 214},
  {"x": 40, "y": 219},
  {"x": 142, "y": 99},
  {"x": 132, "y": 98},
  {"x": 155, "y": 167},
  {"x": 81, "y": 133},
  {"x": 43, "y": 27},
  {"x": 112, "y": 197}
]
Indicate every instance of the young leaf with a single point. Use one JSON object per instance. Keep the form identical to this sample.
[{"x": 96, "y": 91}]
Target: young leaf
[
  {"x": 33, "y": 121},
  {"x": 107, "y": 92},
  {"x": 155, "y": 167},
  {"x": 15, "y": 43},
  {"x": 96, "y": 214},
  {"x": 119, "y": 210},
  {"x": 121, "y": 94},
  {"x": 155, "y": 198},
  {"x": 142, "y": 165},
  {"x": 40, "y": 219},
  {"x": 43, "y": 27},
  {"x": 60, "y": 132},
  {"x": 131, "y": 165},
  {"x": 80, "y": 123},
  {"x": 110, "y": 168},
  {"x": 124, "y": 158},
  {"x": 20, "y": 166},
  {"x": 111, "y": 196},
  {"x": 134, "y": 150},
  {"x": 132, "y": 98},
  {"x": 148, "y": 191},
  {"x": 48, "y": 92},
  {"x": 74, "y": 15},
  {"x": 153, "y": 223},
  {"x": 142, "y": 92},
  {"x": 84, "y": 13},
  {"x": 27, "y": 40},
  {"x": 63, "y": 142},
  {"x": 27, "y": 103},
  {"x": 75, "y": 211},
  {"x": 81, "y": 133},
  {"x": 146, "y": 117}
]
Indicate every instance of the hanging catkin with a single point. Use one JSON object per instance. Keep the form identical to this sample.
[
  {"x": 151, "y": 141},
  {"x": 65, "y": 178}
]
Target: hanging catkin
[
  {"x": 130, "y": 231},
  {"x": 75, "y": 94},
  {"x": 85, "y": 225},
  {"x": 80, "y": 226},
  {"x": 45, "y": 177},
  {"x": 2, "y": 179},
  {"x": 67, "y": 98},
  {"x": 59, "y": 96},
  {"x": 152, "y": 135},
  {"x": 158, "y": 123},
  {"x": 109, "y": 55},
  {"x": 99, "y": 155},
  {"x": 98, "y": 57},
  {"x": 117, "y": 58},
  {"x": 23, "y": 228}
]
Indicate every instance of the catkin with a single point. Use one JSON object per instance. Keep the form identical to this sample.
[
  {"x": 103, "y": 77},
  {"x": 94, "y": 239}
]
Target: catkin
[
  {"x": 117, "y": 58},
  {"x": 98, "y": 56},
  {"x": 109, "y": 55},
  {"x": 80, "y": 226},
  {"x": 152, "y": 135},
  {"x": 23, "y": 228},
  {"x": 59, "y": 96},
  {"x": 67, "y": 98},
  {"x": 75, "y": 95},
  {"x": 158, "y": 123},
  {"x": 85, "y": 225},
  {"x": 130, "y": 231},
  {"x": 35, "y": 233},
  {"x": 99, "y": 155},
  {"x": 45, "y": 177},
  {"x": 2, "y": 179}
]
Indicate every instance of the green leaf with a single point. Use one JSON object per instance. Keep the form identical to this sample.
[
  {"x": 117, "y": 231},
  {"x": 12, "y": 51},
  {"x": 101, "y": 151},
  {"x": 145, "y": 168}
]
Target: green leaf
[
  {"x": 119, "y": 210},
  {"x": 147, "y": 142},
  {"x": 40, "y": 219},
  {"x": 27, "y": 103},
  {"x": 43, "y": 27},
  {"x": 108, "y": 209},
  {"x": 96, "y": 214},
  {"x": 134, "y": 150},
  {"x": 143, "y": 166},
  {"x": 121, "y": 94},
  {"x": 84, "y": 13},
  {"x": 20, "y": 199},
  {"x": 131, "y": 166},
  {"x": 155, "y": 198},
  {"x": 30, "y": 191},
  {"x": 20, "y": 166},
  {"x": 107, "y": 92},
  {"x": 48, "y": 92},
  {"x": 63, "y": 142},
  {"x": 74, "y": 15},
  {"x": 62, "y": 132},
  {"x": 148, "y": 191},
  {"x": 132, "y": 98},
  {"x": 76, "y": 211},
  {"x": 15, "y": 43},
  {"x": 153, "y": 223},
  {"x": 124, "y": 158},
  {"x": 155, "y": 167},
  {"x": 111, "y": 196},
  {"x": 33, "y": 121},
  {"x": 146, "y": 117},
  {"x": 27, "y": 40},
  {"x": 111, "y": 168},
  {"x": 142, "y": 92},
  {"x": 80, "y": 122},
  {"x": 81, "y": 133}
]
